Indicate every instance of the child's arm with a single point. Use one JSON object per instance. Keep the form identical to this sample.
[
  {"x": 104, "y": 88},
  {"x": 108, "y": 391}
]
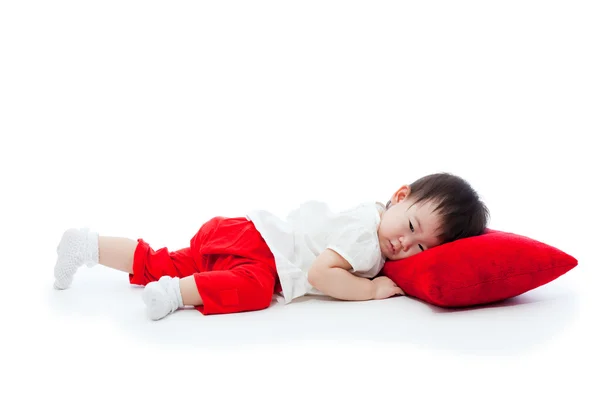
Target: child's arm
[{"x": 330, "y": 273}]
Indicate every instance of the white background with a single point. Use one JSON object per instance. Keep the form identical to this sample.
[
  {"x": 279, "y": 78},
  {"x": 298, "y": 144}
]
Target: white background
[{"x": 143, "y": 119}]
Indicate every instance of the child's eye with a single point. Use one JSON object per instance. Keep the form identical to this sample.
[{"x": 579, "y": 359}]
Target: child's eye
[{"x": 412, "y": 229}]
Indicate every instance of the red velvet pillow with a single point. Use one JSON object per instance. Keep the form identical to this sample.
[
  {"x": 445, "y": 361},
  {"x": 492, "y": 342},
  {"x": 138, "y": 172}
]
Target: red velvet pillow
[{"x": 477, "y": 270}]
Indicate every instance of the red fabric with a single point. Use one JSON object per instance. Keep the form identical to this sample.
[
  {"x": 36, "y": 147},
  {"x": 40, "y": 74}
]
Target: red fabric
[
  {"x": 232, "y": 266},
  {"x": 149, "y": 264},
  {"x": 482, "y": 269}
]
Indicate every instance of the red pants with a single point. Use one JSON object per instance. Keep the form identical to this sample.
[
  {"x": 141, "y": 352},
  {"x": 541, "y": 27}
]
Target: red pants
[{"x": 232, "y": 265}]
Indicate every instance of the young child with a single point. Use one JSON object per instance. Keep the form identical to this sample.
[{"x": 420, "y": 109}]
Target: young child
[{"x": 238, "y": 264}]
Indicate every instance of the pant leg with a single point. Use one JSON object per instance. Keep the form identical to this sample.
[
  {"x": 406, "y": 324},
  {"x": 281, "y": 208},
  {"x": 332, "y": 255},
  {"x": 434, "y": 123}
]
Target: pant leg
[
  {"x": 237, "y": 268},
  {"x": 216, "y": 237},
  {"x": 149, "y": 265},
  {"x": 247, "y": 286}
]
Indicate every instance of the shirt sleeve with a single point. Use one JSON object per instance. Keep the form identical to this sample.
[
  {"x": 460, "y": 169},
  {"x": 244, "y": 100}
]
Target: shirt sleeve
[{"x": 356, "y": 241}]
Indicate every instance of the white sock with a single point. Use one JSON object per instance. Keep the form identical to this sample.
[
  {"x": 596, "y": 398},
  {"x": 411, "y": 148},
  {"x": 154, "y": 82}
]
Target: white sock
[
  {"x": 77, "y": 247},
  {"x": 162, "y": 297}
]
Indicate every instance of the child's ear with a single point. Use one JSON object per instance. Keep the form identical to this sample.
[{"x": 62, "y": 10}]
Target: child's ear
[{"x": 401, "y": 194}]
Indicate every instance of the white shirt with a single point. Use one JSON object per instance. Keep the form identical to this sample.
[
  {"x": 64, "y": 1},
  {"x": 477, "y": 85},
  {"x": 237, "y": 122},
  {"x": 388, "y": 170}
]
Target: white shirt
[{"x": 309, "y": 230}]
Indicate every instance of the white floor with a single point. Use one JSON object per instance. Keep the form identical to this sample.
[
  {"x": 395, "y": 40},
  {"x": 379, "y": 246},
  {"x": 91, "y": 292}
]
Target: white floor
[
  {"x": 95, "y": 337},
  {"x": 519, "y": 326}
]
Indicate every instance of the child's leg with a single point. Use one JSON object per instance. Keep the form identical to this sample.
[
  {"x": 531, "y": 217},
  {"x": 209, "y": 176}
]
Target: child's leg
[
  {"x": 81, "y": 246},
  {"x": 135, "y": 257},
  {"x": 189, "y": 291},
  {"x": 236, "y": 272},
  {"x": 117, "y": 252},
  {"x": 248, "y": 286}
]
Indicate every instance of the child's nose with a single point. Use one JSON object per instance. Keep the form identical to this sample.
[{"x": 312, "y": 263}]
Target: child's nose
[{"x": 406, "y": 244}]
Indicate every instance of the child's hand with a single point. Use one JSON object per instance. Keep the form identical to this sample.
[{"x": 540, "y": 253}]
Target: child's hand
[{"x": 385, "y": 287}]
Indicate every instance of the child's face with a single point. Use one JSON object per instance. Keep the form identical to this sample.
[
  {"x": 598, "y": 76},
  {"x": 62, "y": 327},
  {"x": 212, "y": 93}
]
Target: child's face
[{"x": 407, "y": 229}]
